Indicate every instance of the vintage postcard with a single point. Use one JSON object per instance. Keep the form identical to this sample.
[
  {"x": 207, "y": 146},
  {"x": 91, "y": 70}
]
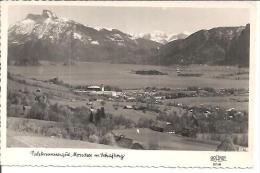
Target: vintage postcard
[{"x": 128, "y": 84}]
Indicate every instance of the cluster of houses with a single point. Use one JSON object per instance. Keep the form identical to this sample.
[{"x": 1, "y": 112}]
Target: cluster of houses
[
  {"x": 228, "y": 114},
  {"x": 127, "y": 95}
]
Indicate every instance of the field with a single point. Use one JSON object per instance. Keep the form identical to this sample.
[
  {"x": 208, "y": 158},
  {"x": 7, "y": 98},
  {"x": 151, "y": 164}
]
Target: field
[
  {"x": 15, "y": 139},
  {"x": 237, "y": 102},
  {"x": 63, "y": 119},
  {"x": 90, "y": 73},
  {"x": 167, "y": 141}
]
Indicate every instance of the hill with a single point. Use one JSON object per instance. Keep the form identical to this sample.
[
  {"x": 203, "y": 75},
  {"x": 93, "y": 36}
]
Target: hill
[{"x": 222, "y": 45}]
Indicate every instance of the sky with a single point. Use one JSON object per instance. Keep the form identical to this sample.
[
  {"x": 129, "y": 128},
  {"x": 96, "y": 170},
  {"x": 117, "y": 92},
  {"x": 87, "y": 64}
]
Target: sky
[{"x": 141, "y": 19}]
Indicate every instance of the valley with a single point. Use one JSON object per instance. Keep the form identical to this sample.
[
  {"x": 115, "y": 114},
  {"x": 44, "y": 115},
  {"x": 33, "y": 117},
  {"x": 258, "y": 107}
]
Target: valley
[{"x": 143, "y": 106}]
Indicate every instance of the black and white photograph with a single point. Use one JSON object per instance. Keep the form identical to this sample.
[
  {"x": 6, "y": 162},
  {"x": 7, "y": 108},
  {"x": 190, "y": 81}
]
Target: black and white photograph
[
  {"x": 129, "y": 84},
  {"x": 138, "y": 78}
]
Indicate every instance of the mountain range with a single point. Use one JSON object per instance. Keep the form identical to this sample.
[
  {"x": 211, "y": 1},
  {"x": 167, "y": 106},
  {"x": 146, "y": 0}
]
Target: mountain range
[
  {"x": 161, "y": 37},
  {"x": 48, "y": 37}
]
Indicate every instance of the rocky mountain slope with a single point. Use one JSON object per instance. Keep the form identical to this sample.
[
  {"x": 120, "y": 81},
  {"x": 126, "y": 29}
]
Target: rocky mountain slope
[
  {"x": 48, "y": 37},
  {"x": 223, "y": 45}
]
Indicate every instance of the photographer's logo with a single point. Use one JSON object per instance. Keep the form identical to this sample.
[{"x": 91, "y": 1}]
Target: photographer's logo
[{"x": 217, "y": 160}]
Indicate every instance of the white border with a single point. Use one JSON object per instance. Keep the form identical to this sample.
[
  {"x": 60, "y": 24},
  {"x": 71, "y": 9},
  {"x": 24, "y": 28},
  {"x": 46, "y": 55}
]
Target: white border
[{"x": 21, "y": 156}]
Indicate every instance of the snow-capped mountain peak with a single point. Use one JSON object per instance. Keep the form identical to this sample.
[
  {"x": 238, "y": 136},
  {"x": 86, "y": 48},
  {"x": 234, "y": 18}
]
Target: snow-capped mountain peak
[
  {"x": 59, "y": 38},
  {"x": 160, "y": 36},
  {"x": 39, "y": 24}
]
